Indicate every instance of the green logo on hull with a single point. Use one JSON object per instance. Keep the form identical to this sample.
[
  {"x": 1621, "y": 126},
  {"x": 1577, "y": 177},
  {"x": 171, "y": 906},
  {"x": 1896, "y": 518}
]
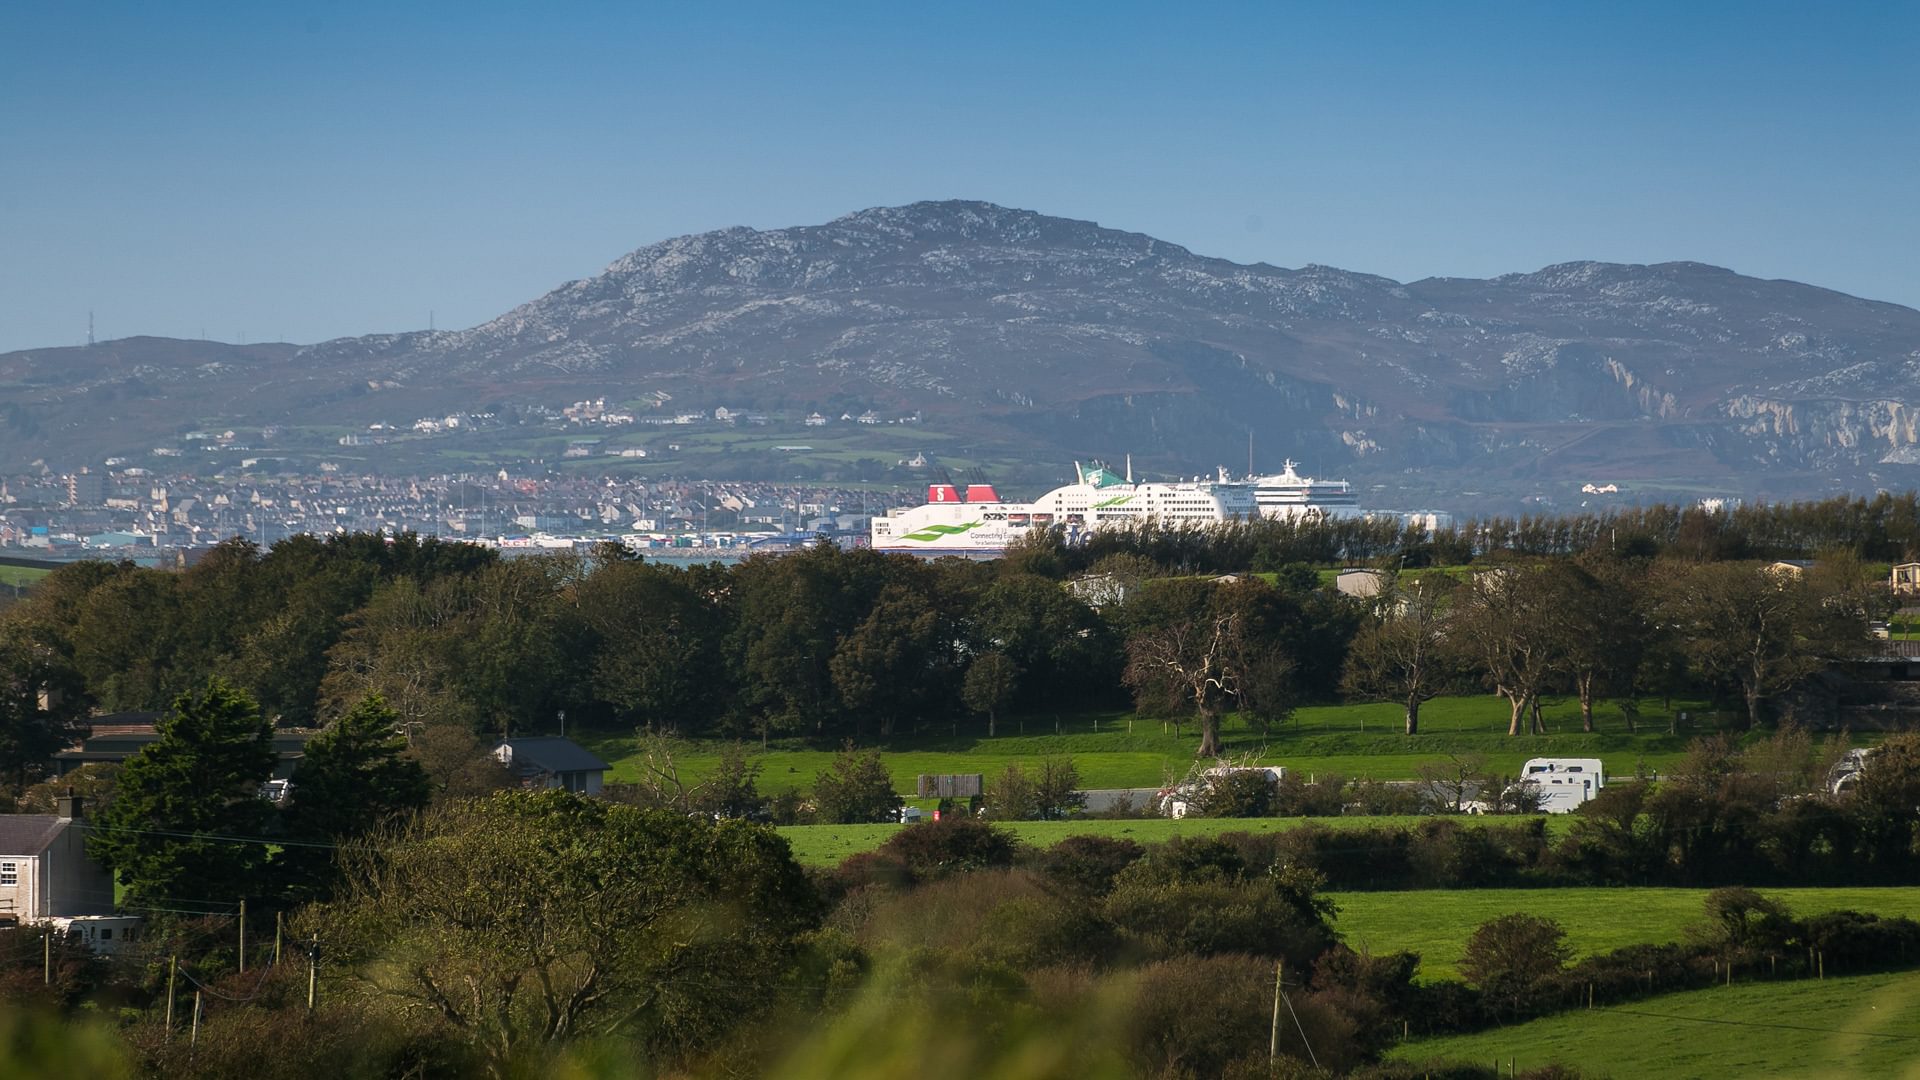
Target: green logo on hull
[{"x": 936, "y": 532}]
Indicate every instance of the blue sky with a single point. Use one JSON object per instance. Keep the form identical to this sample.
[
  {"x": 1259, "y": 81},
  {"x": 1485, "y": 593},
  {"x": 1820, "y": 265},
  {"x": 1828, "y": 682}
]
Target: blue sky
[{"x": 299, "y": 172}]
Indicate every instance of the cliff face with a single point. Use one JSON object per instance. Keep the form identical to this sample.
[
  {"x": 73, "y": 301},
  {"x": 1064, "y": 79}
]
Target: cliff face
[{"x": 1055, "y": 338}]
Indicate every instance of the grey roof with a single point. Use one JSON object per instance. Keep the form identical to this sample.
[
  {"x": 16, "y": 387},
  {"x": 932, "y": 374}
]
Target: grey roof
[
  {"x": 555, "y": 755},
  {"x": 28, "y": 834}
]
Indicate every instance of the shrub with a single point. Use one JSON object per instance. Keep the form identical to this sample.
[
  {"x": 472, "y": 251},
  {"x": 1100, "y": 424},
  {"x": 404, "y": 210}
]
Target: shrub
[
  {"x": 1087, "y": 865},
  {"x": 855, "y": 788},
  {"x": 1324, "y": 796},
  {"x": 1508, "y": 957},
  {"x": 1210, "y": 1016},
  {"x": 1212, "y": 918},
  {"x": 1012, "y": 796},
  {"x": 1853, "y": 942},
  {"x": 1739, "y": 918},
  {"x": 948, "y": 846}
]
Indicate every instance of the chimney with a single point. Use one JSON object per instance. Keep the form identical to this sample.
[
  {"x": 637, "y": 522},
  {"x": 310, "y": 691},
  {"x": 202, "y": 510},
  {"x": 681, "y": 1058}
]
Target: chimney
[{"x": 70, "y": 806}]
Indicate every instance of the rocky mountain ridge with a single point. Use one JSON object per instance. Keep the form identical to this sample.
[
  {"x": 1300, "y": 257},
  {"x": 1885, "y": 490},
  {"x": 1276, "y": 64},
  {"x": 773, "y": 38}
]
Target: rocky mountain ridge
[{"x": 1061, "y": 338}]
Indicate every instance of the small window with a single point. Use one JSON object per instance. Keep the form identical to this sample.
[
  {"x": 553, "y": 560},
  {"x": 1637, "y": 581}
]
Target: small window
[
  {"x": 106, "y": 933},
  {"x": 9, "y": 873}
]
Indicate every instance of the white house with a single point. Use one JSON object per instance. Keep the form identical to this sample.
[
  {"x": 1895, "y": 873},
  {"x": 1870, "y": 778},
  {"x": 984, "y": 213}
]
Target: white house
[{"x": 45, "y": 871}]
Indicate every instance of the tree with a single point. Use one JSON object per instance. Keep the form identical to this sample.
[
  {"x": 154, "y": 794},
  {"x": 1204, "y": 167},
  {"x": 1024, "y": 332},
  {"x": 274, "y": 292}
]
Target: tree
[
  {"x": 990, "y": 684},
  {"x": 732, "y": 790},
  {"x": 1399, "y": 656},
  {"x": 41, "y": 699},
  {"x": 527, "y": 919},
  {"x": 186, "y": 825},
  {"x": 1011, "y": 796},
  {"x": 888, "y": 665},
  {"x": 1755, "y": 630},
  {"x": 1056, "y": 788},
  {"x": 354, "y": 776},
  {"x": 1508, "y": 957},
  {"x": 1450, "y": 782},
  {"x": 855, "y": 788},
  {"x": 1504, "y": 623},
  {"x": 1885, "y": 805},
  {"x": 658, "y": 654}
]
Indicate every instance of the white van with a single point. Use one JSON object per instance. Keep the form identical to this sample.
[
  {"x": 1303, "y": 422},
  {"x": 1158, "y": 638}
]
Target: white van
[{"x": 1564, "y": 783}]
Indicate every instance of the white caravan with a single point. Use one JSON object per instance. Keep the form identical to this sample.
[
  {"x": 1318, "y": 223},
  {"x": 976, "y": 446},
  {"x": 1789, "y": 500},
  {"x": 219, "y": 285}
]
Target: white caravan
[{"x": 1564, "y": 783}]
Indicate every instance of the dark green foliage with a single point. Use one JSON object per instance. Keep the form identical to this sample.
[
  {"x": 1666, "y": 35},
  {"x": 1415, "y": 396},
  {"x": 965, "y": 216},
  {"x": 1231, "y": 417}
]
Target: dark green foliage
[
  {"x": 1201, "y": 897},
  {"x": 354, "y": 776},
  {"x": 1088, "y": 865},
  {"x": 1509, "y": 957},
  {"x": 560, "y": 917},
  {"x": 949, "y": 846},
  {"x": 990, "y": 684},
  {"x": 185, "y": 827},
  {"x": 1238, "y": 793},
  {"x": 732, "y": 790},
  {"x": 855, "y": 788},
  {"x": 42, "y": 698}
]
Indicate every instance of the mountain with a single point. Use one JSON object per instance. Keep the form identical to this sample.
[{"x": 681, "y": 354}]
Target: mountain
[{"x": 1026, "y": 336}]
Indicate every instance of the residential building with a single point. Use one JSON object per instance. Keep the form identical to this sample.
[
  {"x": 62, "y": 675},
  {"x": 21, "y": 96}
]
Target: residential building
[
  {"x": 545, "y": 762},
  {"x": 45, "y": 870}
]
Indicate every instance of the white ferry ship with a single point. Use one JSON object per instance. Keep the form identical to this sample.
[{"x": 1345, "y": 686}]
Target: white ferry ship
[
  {"x": 1287, "y": 494},
  {"x": 979, "y": 522}
]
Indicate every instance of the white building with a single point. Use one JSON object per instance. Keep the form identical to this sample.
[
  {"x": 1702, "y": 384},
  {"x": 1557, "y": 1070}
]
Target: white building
[{"x": 45, "y": 871}]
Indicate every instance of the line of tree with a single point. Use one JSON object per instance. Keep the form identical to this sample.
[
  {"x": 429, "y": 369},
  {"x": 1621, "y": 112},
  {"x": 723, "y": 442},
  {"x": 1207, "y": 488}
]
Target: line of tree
[{"x": 830, "y": 645}]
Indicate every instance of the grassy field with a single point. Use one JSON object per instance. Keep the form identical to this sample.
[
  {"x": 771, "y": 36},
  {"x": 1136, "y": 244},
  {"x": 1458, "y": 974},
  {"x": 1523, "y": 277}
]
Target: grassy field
[
  {"x": 18, "y": 576},
  {"x": 1114, "y": 750},
  {"x": 1857, "y": 1028},
  {"x": 1436, "y": 924},
  {"x": 824, "y": 845}
]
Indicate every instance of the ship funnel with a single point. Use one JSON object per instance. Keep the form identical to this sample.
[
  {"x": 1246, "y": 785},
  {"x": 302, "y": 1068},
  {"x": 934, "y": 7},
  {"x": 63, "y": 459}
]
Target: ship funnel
[
  {"x": 942, "y": 493},
  {"x": 981, "y": 493}
]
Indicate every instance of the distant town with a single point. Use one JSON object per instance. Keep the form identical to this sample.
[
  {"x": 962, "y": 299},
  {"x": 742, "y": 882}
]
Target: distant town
[{"x": 212, "y": 485}]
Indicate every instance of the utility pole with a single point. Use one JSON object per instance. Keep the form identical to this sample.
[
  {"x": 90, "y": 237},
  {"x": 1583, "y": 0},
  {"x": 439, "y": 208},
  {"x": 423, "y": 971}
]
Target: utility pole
[
  {"x": 276, "y": 939},
  {"x": 243, "y": 935},
  {"x": 313, "y": 969},
  {"x": 173, "y": 971},
  {"x": 1273, "y": 1035},
  {"x": 46, "y": 971},
  {"x": 194, "y": 1038}
]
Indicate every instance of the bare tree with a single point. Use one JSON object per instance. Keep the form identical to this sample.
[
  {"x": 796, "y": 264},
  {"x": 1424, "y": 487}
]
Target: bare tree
[
  {"x": 1191, "y": 659},
  {"x": 1451, "y": 781}
]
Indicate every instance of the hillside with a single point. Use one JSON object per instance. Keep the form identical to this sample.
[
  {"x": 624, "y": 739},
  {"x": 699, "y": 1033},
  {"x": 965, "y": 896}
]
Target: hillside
[{"x": 1027, "y": 340}]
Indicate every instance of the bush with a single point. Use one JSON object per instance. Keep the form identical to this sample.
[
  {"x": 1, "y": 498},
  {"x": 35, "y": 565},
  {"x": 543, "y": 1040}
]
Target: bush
[
  {"x": 1508, "y": 957},
  {"x": 1855, "y": 942},
  {"x": 1194, "y": 1016},
  {"x": 855, "y": 788},
  {"x": 1013, "y": 796},
  {"x": 1739, "y": 918},
  {"x": 1087, "y": 865},
  {"x": 948, "y": 846},
  {"x": 1324, "y": 796},
  {"x": 1210, "y": 918}
]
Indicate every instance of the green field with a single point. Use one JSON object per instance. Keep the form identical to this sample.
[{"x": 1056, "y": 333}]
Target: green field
[
  {"x": 18, "y": 576},
  {"x": 1362, "y": 740},
  {"x": 1857, "y": 1028},
  {"x": 824, "y": 845},
  {"x": 1437, "y": 923}
]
